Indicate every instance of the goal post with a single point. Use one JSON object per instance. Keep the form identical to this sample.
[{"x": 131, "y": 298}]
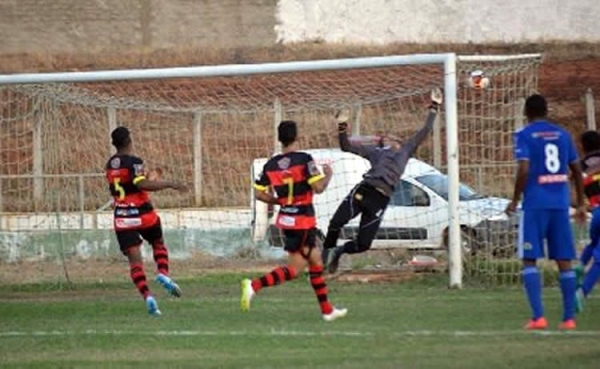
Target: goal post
[{"x": 207, "y": 124}]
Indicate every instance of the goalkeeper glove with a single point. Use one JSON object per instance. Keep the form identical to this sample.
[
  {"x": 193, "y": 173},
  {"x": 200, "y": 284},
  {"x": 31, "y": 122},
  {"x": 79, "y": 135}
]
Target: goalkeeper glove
[
  {"x": 341, "y": 116},
  {"x": 436, "y": 99}
]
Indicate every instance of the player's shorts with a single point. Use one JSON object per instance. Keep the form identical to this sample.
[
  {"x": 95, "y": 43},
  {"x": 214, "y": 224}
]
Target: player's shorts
[
  {"x": 130, "y": 238},
  {"x": 550, "y": 225},
  {"x": 296, "y": 239}
]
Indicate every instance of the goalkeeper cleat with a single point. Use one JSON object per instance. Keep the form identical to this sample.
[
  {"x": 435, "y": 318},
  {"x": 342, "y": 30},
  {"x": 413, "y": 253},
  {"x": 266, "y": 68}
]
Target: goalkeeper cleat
[
  {"x": 247, "y": 294},
  {"x": 335, "y": 314},
  {"x": 537, "y": 324},
  {"x": 171, "y": 287},
  {"x": 579, "y": 273},
  {"x": 567, "y": 325},
  {"x": 579, "y": 300},
  {"x": 152, "y": 306}
]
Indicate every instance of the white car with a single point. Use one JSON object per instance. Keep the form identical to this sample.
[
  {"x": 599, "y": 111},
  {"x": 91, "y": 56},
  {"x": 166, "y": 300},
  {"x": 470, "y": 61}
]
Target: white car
[{"x": 417, "y": 215}]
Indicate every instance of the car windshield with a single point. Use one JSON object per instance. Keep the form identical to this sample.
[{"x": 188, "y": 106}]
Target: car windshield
[{"x": 438, "y": 183}]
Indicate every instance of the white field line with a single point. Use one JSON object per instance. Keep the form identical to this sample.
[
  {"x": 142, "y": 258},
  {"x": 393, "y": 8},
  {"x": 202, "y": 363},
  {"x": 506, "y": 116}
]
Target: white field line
[{"x": 274, "y": 333}]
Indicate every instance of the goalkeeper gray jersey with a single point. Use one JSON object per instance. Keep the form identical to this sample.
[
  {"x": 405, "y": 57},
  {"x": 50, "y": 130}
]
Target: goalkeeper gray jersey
[{"x": 387, "y": 165}]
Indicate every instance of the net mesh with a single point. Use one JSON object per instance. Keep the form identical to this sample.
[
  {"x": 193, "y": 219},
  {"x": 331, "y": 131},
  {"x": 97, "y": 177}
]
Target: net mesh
[{"x": 207, "y": 132}]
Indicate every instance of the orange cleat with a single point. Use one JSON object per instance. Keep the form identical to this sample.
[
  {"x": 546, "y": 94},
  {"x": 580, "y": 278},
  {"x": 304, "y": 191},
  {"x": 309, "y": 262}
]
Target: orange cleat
[
  {"x": 567, "y": 325},
  {"x": 539, "y": 323}
]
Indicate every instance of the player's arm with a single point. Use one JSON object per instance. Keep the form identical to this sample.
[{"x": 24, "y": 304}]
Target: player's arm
[
  {"x": 261, "y": 189},
  {"x": 575, "y": 167},
  {"x": 413, "y": 143},
  {"x": 318, "y": 181},
  {"x": 141, "y": 180},
  {"x": 345, "y": 144},
  {"x": 521, "y": 153}
]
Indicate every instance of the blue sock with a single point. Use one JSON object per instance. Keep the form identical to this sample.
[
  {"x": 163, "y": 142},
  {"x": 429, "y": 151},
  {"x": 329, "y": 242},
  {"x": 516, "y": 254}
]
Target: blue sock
[
  {"x": 533, "y": 288},
  {"x": 586, "y": 254},
  {"x": 591, "y": 278},
  {"x": 568, "y": 286}
]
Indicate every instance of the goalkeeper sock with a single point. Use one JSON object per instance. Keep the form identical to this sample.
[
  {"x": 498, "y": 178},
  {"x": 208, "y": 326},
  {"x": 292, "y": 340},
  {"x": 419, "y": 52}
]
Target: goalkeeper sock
[
  {"x": 533, "y": 289},
  {"x": 273, "y": 278},
  {"x": 568, "y": 286},
  {"x": 591, "y": 278},
  {"x": 161, "y": 257},
  {"x": 318, "y": 284},
  {"x": 139, "y": 279}
]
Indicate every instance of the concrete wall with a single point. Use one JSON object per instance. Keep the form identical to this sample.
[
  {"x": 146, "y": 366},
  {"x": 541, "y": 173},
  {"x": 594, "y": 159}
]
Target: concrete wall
[
  {"x": 93, "y": 25},
  {"x": 438, "y": 21}
]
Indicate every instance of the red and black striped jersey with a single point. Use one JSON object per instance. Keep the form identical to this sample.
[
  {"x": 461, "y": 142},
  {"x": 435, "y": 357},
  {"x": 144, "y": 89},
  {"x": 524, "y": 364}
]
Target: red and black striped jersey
[
  {"x": 291, "y": 176},
  {"x": 590, "y": 165},
  {"x": 133, "y": 209}
]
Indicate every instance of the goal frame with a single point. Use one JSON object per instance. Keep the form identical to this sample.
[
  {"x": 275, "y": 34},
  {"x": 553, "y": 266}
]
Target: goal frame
[{"x": 448, "y": 60}]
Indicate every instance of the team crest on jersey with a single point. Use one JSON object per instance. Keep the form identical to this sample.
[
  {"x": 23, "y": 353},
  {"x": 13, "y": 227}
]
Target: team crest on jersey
[
  {"x": 284, "y": 163},
  {"x": 115, "y": 163}
]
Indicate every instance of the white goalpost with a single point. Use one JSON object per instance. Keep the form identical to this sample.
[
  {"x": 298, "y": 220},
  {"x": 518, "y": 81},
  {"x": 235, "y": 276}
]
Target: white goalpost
[{"x": 207, "y": 124}]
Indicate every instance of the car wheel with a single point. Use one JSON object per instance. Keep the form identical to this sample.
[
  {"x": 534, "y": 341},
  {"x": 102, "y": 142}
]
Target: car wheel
[{"x": 468, "y": 238}]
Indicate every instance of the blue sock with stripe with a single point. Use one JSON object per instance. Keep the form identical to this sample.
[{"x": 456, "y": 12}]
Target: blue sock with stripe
[
  {"x": 533, "y": 289},
  {"x": 568, "y": 286}
]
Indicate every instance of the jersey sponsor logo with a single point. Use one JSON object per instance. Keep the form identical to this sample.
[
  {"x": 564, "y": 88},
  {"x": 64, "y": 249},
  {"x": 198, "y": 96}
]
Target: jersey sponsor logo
[
  {"x": 548, "y": 135},
  {"x": 553, "y": 178},
  {"x": 284, "y": 163},
  {"x": 138, "y": 169},
  {"x": 289, "y": 209},
  {"x": 286, "y": 221},
  {"x": 126, "y": 212},
  {"x": 313, "y": 169},
  {"x": 123, "y": 223},
  {"x": 115, "y": 163}
]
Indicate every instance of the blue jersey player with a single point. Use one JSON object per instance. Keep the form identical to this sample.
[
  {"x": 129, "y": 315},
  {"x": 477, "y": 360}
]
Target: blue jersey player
[{"x": 545, "y": 152}]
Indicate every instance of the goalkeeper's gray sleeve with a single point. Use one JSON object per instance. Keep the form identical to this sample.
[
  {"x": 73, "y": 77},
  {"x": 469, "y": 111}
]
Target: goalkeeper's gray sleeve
[
  {"x": 412, "y": 144},
  {"x": 358, "y": 149}
]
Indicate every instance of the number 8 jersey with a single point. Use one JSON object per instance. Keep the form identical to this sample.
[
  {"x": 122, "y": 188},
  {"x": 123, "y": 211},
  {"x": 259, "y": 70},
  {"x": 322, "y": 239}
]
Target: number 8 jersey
[{"x": 549, "y": 150}]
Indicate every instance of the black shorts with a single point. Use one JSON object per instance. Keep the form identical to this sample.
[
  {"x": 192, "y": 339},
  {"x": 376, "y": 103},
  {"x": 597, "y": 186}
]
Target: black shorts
[
  {"x": 132, "y": 238},
  {"x": 296, "y": 239}
]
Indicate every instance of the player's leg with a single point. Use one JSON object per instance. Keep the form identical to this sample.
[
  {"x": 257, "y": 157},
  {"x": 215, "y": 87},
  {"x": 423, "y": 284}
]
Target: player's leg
[
  {"x": 279, "y": 275},
  {"x": 372, "y": 206},
  {"x": 313, "y": 254},
  {"x": 593, "y": 274},
  {"x": 561, "y": 248},
  {"x": 530, "y": 244},
  {"x": 154, "y": 236},
  {"x": 130, "y": 243},
  {"x": 347, "y": 210},
  {"x": 588, "y": 251}
]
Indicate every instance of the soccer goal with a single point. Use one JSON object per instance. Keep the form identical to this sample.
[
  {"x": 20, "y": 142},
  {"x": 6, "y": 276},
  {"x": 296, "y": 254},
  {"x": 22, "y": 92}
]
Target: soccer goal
[{"x": 213, "y": 126}]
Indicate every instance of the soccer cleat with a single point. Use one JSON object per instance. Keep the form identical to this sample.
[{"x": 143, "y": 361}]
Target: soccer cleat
[
  {"x": 247, "y": 294},
  {"x": 335, "y": 314},
  {"x": 333, "y": 260},
  {"x": 535, "y": 324},
  {"x": 169, "y": 285},
  {"x": 152, "y": 306},
  {"x": 567, "y": 325},
  {"x": 579, "y": 298},
  {"x": 579, "y": 273}
]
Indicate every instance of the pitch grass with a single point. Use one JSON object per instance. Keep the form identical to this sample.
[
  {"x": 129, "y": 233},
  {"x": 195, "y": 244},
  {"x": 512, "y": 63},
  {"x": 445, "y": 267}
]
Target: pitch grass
[{"x": 413, "y": 324}]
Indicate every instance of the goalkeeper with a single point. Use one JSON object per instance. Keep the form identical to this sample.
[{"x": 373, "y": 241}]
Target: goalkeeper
[{"x": 371, "y": 196}]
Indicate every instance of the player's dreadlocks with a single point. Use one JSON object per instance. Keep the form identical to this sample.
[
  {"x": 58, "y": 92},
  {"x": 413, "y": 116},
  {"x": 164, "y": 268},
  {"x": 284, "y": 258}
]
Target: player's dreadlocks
[{"x": 590, "y": 141}]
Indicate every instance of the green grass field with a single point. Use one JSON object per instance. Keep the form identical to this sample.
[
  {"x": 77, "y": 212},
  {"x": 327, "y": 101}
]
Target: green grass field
[{"x": 416, "y": 324}]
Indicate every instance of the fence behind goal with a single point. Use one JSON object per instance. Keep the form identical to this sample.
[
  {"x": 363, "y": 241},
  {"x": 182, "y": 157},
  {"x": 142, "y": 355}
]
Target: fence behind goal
[{"x": 55, "y": 216}]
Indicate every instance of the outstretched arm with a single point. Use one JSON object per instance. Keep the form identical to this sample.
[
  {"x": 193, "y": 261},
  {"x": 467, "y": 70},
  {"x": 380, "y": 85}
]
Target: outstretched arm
[
  {"x": 345, "y": 144},
  {"x": 412, "y": 144}
]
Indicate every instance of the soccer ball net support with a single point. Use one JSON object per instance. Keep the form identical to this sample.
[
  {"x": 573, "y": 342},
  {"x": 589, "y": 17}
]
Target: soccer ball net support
[{"x": 206, "y": 131}]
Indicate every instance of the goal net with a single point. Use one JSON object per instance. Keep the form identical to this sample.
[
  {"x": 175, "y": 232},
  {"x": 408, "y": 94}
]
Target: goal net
[{"x": 213, "y": 132}]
